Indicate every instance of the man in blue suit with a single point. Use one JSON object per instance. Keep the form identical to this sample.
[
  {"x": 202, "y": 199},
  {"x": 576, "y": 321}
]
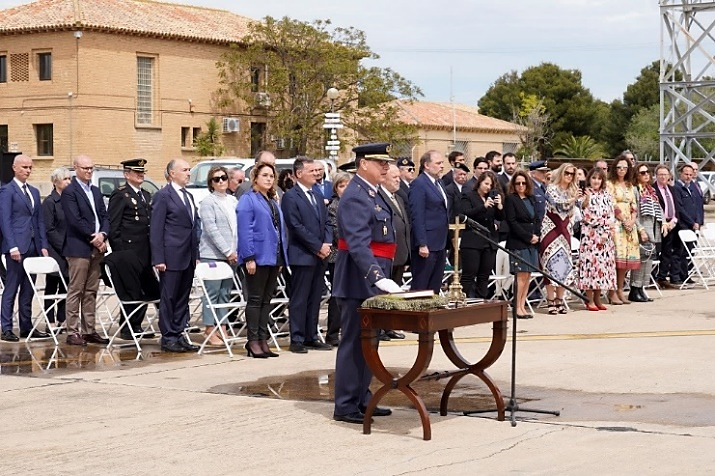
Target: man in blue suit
[
  {"x": 366, "y": 248},
  {"x": 309, "y": 240},
  {"x": 324, "y": 186},
  {"x": 429, "y": 209},
  {"x": 174, "y": 233},
  {"x": 690, "y": 217},
  {"x": 23, "y": 236},
  {"x": 85, "y": 245}
]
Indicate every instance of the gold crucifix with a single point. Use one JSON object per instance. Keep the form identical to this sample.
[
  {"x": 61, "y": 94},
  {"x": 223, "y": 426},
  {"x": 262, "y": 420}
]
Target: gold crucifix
[{"x": 456, "y": 293}]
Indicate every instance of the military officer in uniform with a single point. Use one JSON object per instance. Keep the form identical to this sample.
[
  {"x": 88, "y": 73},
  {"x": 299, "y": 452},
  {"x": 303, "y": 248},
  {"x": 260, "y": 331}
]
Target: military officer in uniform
[
  {"x": 366, "y": 248},
  {"x": 129, "y": 212}
]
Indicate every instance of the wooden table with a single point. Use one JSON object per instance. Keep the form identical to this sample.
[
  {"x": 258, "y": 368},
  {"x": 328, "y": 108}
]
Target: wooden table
[{"x": 425, "y": 324}]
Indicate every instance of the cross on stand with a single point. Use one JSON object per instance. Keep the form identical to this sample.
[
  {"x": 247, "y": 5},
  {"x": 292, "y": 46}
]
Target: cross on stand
[{"x": 456, "y": 294}]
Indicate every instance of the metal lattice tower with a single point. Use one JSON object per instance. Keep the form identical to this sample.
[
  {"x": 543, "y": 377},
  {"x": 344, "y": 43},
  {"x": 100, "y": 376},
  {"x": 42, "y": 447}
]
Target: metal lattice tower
[{"x": 687, "y": 82}]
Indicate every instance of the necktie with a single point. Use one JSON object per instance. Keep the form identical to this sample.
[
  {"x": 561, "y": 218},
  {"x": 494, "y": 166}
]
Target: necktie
[
  {"x": 668, "y": 204},
  {"x": 397, "y": 205},
  {"x": 187, "y": 202},
  {"x": 313, "y": 201},
  {"x": 27, "y": 195},
  {"x": 141, "y": 196}
]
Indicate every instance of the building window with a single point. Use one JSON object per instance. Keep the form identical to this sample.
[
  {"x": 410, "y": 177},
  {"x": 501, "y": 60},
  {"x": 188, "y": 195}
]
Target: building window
[
  {"x": 509, "y": 147},
  {"x": 43, "y": 134},
  {"x": 196, "y": 132},
  {"x": 255, "y": 79},
  {"x": 4, "y": 138},
  {"x": 189, "y": 136},
  {"x": 145, "y": 90},
  {"x": 45, "y": 66},
  {"x": 19, "y": 67},
  {"x": 3, "y": 69},
  {"x": 258, "y": 136}
]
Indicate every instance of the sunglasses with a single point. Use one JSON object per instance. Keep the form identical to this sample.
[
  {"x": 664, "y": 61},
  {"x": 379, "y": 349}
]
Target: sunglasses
[
  {"x": 218, "y": 179},
  {"x": 570, "y": 174},
  {"x": 622, "y": 167},
  {"x": 519, "y": 184},
  {"x": 643, "y": 172},
  {"x": 411, "y": 169}
]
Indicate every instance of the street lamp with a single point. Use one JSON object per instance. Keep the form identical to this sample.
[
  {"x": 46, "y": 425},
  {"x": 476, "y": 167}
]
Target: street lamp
[{"x": 332, "y": 122}]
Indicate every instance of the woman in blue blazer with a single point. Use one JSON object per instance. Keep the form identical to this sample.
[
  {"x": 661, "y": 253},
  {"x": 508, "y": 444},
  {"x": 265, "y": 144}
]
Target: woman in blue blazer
[{"x": 262, "y": 246}]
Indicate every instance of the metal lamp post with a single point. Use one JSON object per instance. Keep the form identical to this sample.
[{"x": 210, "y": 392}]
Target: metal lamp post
[{"x": 332, "y": 122}]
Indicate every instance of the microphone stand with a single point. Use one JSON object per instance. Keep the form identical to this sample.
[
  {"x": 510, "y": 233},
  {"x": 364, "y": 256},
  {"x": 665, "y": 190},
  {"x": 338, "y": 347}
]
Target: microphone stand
[{"x": 513, "y": 406}]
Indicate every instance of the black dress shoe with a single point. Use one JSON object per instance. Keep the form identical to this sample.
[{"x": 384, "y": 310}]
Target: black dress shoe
[
  {"x": 9, "y": 336},
  {"x": 317, "y": 345},
  {"x": 146, "y": 334},
  {"x": 635, "y": 296},
  {"x": 333, "y": 342},
  {"x": 378, "y": 411},
  {"x": 188, "y": 345},
  {"x": 355, "y": 417},
  {"x": 36, "y": 334},
  {"x": 95, "y": 338},
  {"x": 76, "y": 339},
  {"x": 383, "y": 336},
  {"x": 395, "y": 335},
  {"x": 174, "y": 346},
  {"x": 297, "y": 348}
]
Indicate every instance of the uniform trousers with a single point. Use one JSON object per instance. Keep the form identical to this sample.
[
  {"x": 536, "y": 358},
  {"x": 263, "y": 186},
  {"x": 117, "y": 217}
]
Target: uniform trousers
[
  {"x": 82, "y": 291},
  {"x": 352, "y": 375}
]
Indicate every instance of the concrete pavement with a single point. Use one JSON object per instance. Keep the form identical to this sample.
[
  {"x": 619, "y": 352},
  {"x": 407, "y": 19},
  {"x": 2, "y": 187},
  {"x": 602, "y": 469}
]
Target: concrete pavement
[{"x": 634, "y": 384}]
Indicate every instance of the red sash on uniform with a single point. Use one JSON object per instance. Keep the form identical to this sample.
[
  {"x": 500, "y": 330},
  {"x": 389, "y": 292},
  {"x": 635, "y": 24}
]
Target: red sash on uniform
[{"x": 379, "y": 250}]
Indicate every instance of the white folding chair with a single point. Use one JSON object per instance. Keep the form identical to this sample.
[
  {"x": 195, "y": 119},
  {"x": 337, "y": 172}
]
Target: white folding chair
[
  {"x": 701, "y": 259},
  {"x": 122, "y": 304},
  {"x": 218, "y": 271},
  {"x": 42, "y": 266},
  {"x": 501, "y": 278}
]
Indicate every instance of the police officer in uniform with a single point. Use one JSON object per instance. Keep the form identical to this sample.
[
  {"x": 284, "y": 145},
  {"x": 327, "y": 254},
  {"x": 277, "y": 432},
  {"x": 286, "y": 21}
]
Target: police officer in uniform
[
  {"x": 129, "y": 213},
  {"x": 366, "y": 247}
]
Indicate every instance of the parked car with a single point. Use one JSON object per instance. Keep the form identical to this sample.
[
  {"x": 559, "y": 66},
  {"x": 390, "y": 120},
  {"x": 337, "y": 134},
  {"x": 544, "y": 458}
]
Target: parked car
[
  {"x": 707, "y": 185},
  {"x": 198, "y": 186},
  {"x": 107, "y": 178}
]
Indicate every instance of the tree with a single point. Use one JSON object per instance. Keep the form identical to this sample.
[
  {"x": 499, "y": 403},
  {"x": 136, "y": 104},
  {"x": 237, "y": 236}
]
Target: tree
[
  {"x": 208, "y": 144},
  {"x": 295, "y": 63},
  {"x": 642, "y": 136},
  {"x": 535, "y": 134},
  {"x": 570, "y": 106},
  {"x": 581, "y": 147}
]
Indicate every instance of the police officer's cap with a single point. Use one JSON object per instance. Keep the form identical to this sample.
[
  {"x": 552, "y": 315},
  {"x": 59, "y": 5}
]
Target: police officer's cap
[
  {"x": 461, "y": 166},
  {"x": 136, "y": 165},
  {"x": 539, "y": 165},
  {"x": 379, "y": 151},
  {"x": 348, "y": 167},
  {"x": 405, "y": 162}
]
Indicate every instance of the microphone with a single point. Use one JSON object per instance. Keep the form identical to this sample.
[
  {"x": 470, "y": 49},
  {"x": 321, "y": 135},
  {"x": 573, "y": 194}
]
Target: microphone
[{"x": 473, "y": 224}]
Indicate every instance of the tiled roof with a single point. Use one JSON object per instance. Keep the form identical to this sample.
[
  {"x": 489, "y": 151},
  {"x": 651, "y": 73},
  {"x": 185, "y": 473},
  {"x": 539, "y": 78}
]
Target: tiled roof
[
  {"x": 132, "y": 17},
  {"x": 438, "y": 115}
]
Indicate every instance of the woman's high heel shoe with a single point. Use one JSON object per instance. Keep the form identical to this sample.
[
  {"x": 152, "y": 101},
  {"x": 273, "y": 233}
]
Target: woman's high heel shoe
[
  {"x": 266, "y": 350},
  {"x": 612, "y": 299},
  {"x": 251, "y": 353}
]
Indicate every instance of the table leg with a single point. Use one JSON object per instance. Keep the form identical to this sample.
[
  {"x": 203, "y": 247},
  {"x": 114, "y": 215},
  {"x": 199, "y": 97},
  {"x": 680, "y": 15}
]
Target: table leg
[{"x": 446, "y": 338}]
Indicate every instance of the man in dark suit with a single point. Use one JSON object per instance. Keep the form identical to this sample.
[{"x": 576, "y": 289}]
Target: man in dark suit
[
  {"x": 407, "y": 175},
  {"x": 429, "y": 210},
  {"x": 509, "y": 164},
  {"x": 309, "y": 239},
  {"x": 85, "y": 245},
  {"x": 129, "y": 211},
  {"x": 495, "y": 161},
  {"x": 479, "y": 166},
  {"x": 455, "y": 157},
  {"x": 689, "y": 218},
  {"x": 454, "y": 194},
  {"x": 669, "y": 204},
  {"x": 366, "y": 247},
  {"x": 401, "y": 224},
  {"x": 23, "y": 236},
  {"x": 324, "y": 186},
  {"x": 175, "y": 228}
]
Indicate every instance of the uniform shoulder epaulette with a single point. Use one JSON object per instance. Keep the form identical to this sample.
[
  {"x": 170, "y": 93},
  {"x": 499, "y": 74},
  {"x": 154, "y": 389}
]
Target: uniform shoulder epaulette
[{"x": 122, "y": 187}]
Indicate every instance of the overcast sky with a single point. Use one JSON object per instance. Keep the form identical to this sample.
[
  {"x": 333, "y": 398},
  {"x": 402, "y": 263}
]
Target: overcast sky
[{"x": 609, "y": 41}]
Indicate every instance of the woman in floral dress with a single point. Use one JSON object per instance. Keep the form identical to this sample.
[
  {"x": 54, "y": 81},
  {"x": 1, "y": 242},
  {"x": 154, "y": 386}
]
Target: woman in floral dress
[
  {"x": 597, "y": 254},
  {"x": 627, "y": 227},
  {"x": 555, "y": 245}
]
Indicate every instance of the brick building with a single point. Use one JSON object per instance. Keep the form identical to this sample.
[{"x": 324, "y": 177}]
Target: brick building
[
  {"x": 116, "y": 79},
  {"x": 476, "y": 134}
]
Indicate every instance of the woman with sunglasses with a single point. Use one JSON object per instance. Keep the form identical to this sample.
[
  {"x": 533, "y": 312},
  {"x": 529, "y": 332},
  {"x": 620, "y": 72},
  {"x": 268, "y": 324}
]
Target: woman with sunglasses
[
  {"x": 555, "y": 245},
  {"x": 219, "y": 239},
  {"x": 620, "y": 178},
  {"x": 650, "y": 216},
  {"x": 597, "y": 254},
  {"x": 523, "y": 235},
  {"x": 263, "y": 251}
]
